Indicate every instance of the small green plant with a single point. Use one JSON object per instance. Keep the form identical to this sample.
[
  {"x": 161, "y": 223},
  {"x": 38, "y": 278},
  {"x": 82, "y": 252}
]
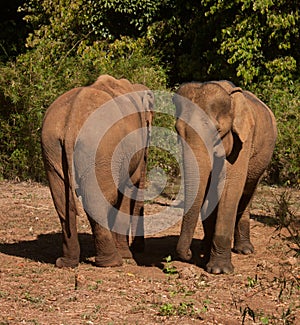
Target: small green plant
[
  {"x": 187, "y": 309},
  {"x": 93, "y": 287},
  {"x": 169, "y": 268},
  {"x": 252, "y": 282},
  {"x": 264, "y": 320},
  {"x": 181, "y": 289},
  {"x": 183, "y": 309},
  {"x": 32, "y": 299},
  {"x": 167, "y": 309},
  {"x": 206, "y": 302}
]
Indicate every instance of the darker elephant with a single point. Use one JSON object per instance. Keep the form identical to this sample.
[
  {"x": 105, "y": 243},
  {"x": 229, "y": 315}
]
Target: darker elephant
[
  {"x": 72, "y": 166},
  {"x": 232, "y": 142}
]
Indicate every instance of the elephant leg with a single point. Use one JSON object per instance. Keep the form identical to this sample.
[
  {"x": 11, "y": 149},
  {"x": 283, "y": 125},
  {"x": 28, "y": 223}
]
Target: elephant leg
[
  {"x": 134, "y": 211},
  {"x": 220, "y": 255},
  {"x": 122, "y": 244},
  {"x": 131, "y": 210},
  {"x": 242, "y": 243},
  {"x": 137, "y": 210},
  {"x": 121, "y": 224},
  {"x": 106, "y": 251},
  {"x": 209, "y": 224},
  {"x": 137, "y": 227},
  {"x": 65, "y": 206},
  {"x": 121, "y": 228}
]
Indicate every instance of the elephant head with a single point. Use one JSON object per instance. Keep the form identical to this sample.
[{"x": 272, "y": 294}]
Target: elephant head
[{"x": 224, "y": 105}]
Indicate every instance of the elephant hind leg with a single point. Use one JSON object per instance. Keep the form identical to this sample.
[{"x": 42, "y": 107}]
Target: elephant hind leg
[
  {"x": 137, "y": 208},
  {"x": 106, "y": 250},
  {"x": 132, "y": 220},
  {"x": 242, "y": 243},
  {"x": 122, "y": 244},
  {"x": 65, "y": 206},
  {"x": 137, "y": 223},
  {"x": 120, "y": 226}
]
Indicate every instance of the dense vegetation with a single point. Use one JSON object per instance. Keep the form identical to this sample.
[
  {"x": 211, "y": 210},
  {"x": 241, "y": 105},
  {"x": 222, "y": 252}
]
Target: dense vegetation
[{"x": 50, "y": 46}]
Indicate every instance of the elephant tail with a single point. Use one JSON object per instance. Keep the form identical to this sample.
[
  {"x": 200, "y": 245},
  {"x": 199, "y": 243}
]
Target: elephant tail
[{"x": 72, "y": 200}]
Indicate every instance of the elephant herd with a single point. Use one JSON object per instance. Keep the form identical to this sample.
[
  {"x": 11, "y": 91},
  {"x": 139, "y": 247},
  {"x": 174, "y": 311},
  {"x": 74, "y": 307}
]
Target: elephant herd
[{"x": 95, "y": 143}]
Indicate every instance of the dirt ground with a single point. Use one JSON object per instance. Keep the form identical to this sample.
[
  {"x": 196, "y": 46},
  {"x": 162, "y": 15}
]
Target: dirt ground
[{"x": 264, "y": 289}]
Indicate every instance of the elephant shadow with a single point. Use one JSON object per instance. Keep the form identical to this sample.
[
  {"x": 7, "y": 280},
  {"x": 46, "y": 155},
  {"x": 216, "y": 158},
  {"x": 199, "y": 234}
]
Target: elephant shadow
[
  {"x": 158, "y": 248},
  {"x": 46, "y": 248}
]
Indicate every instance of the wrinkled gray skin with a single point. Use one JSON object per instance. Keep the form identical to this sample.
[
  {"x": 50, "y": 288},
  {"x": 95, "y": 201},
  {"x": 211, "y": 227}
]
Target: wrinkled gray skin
[
  {"x": 248, "y": 131},
  {"x": 62, "y": 123}
]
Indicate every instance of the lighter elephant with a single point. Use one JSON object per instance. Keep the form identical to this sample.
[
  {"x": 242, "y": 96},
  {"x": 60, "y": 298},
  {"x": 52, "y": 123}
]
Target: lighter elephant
[
  {"x": 231, "y": 134},
  {"x": 81, "y": 133}
]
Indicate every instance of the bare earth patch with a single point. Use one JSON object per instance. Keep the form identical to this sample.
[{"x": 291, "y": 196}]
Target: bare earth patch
[{"x": 265, "y": 288}]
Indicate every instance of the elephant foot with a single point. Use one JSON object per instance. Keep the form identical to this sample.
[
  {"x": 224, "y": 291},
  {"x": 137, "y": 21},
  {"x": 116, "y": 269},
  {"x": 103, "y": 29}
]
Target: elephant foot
[
  {"x": 220, "y": 256},
  {"x": 219, "y": 267},
  {"x": 245, "y": 248},
  {"x": 184, "y": 255},
  {"x": 125, "y": 252},
  {"x": 108, "y": 261},
  {"x": 67, "y": 262}
]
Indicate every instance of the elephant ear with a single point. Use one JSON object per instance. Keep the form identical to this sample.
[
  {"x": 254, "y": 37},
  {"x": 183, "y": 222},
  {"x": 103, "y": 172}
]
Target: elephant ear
[{"x": 243, "y": 121}]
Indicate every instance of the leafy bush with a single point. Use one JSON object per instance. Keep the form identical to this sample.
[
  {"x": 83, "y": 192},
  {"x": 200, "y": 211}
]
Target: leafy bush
[
  {"x": 252, "y": 43},
  {"x": 284, "y": 100}
]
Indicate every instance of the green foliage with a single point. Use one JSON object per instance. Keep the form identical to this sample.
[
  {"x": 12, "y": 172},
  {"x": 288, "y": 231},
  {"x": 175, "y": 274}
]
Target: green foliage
[
  {"x": 252, "y": 43},
  {"x": 257, "y": 41},
  {"x": 76, "y": 20},
  {"x": 125, "y": 57},
  {"x": 246, "y": 40},
  {"x": 164, "y": 152},
  {"x": 284, "y": 100}
]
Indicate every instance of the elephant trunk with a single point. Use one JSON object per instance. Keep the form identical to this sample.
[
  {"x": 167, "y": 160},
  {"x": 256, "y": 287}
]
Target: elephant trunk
[{"x": 197, "y": 171}]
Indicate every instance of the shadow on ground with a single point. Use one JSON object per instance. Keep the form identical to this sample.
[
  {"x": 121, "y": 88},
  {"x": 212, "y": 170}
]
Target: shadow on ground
[
  {"x": 47, "y": 248},
  {"x": 266, "y": 220}
]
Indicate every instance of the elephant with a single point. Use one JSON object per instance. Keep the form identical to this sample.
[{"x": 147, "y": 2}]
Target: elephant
[
  {"x": 71, "y": 125},
  {"x": 231, "y": 134}
]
